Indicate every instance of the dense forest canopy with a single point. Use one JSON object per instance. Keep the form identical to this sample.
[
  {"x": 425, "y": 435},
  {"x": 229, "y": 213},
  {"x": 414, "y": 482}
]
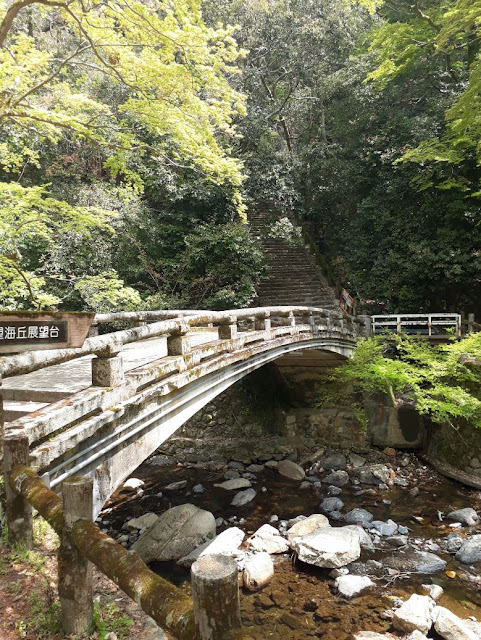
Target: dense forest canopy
[{"x": 135, "y": 136}]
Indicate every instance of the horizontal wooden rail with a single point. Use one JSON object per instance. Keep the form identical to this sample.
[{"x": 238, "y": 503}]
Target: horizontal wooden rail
[
  {"x": 161, "y": 600},
  {"x": 414, "y": 323}
]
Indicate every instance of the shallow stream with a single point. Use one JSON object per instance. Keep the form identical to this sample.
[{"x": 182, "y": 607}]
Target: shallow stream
[{"x": 300, "y": 601}]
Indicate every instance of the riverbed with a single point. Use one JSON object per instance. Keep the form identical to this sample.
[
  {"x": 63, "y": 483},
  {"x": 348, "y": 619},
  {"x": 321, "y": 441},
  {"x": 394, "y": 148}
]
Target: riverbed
[{"x": 300, "y": 601}]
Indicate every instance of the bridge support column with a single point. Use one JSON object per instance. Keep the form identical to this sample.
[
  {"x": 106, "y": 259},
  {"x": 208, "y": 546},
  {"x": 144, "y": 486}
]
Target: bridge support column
[
  {"x": 228, "y": 328},
  {"x": 74, "y": 570},
  {"x": 107, "y": 371},
  {"x": 19, "y": 512},
  {"x": 215, "y": 592}
]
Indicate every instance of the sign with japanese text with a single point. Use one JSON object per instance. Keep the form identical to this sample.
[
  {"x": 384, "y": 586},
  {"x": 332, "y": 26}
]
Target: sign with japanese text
[
  {"x": 347, "y": 302},
  {"x": 30, "y": 331}
]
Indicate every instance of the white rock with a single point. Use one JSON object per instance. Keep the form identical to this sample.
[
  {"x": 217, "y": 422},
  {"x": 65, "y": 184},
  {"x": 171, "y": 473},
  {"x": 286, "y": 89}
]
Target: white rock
[
  {"x": 226, "y": 543},
  {"x": 450, "y": 627},
  {"x": 258, "y": 571},
  {"x": 364, "y": 538},
  {"x": 243, "y": 497},
  {"x": 133, "y": 483},
  {"x": 434, "y": 591},
  {"x": 175, "y": 534},
  {"x": 291, "y": 470},
  {"x": 416, "y": 635},
  {"x": 328, "y": 547},
  {"x": 308, "y": 525},
  {"x": 268, "y": 539},
  {"x": 236, "y": 483},
  {"x": 414, "y": 614},
  {"x": 352, "y": 586},
  {"x": 369, "y": 635},
  {"x": 143, "y": 522}
]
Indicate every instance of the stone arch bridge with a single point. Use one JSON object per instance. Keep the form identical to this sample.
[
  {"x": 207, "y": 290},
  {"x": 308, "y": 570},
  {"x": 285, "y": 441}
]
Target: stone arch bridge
[{"x": 102, "y": 409}]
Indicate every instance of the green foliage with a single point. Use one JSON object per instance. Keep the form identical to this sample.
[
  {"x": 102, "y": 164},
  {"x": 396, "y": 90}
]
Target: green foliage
[
  {"x": 106, "y": 619},
  {"x": 105, "y": 293},
  {"x": 443, "y": 381}
]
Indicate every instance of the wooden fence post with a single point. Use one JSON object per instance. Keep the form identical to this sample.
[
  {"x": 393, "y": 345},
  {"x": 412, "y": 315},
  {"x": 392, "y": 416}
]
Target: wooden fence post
[
  {"x": 215, "y": 592},
  {"x": 16, "y": 450},
  {"x": 74, "y": 570}
]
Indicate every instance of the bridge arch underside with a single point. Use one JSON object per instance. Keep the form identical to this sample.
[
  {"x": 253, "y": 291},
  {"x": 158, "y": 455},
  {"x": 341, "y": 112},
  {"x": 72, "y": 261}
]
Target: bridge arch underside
[{"x": 119, "y": 447}]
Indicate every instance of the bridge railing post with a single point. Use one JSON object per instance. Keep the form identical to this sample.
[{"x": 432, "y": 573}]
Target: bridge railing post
[
  {"x": 74, "y": 570},
  {"x": 228, "y": 328},
  {"x": 107, "y": 368},
  {"x": 215, "y": 592},
  {"x": 178, "y": 342},
  {"x": 262, "y": 322},
  {"x": 16, "y": 451},
  {"x": 288, "y": 319}
]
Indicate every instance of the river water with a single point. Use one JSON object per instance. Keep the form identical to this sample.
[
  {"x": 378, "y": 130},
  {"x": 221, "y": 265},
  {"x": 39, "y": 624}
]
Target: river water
[{"x": 300, "y": 602}]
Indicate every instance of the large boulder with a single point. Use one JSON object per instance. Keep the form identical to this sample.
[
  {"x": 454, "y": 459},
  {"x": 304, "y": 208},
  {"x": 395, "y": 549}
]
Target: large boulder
[
  {"x": 226, "y": 543},
  {"x": 175, "y": 534},
  {"x": 470, "y": 552},
  {"x": 414, "y": 614},
  {"x": 268, "y": 539},
  {"x": 364, "y": 538},
  {"x": 258, "y": 571},
  {"x": 291, "y": 470},
  {"x": 328, "y": 547},
  {"x": 450, "y": 627},
  {"x": 308, "y": 525}
]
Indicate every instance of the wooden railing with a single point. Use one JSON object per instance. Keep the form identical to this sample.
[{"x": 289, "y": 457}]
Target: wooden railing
[{"x": 430, "y": 325}]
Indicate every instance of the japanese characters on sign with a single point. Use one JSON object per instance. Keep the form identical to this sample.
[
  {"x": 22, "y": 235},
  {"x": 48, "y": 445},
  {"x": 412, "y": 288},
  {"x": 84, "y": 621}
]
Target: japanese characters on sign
[
  {"x": 31, "y": 332},
  {"x": 347, "y": 302}
]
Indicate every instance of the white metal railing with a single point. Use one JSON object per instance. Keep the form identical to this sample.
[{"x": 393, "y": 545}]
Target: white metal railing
[{"x": 431, "y": 325}]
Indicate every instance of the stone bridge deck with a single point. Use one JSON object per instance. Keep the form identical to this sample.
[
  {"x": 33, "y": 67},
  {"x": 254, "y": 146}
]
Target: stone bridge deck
[{"x": 130, "y": 390}]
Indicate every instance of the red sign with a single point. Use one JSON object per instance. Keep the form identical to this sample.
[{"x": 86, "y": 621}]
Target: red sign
[{"x": 347, "y": 302}]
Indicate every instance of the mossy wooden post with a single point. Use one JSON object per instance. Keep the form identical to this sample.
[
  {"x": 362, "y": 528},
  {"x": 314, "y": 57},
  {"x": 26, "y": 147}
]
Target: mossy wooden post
[
  {"x": 19, "y": 512},
  {"x": 215, "y": 592},
  {"x": 74, "y": 570}
]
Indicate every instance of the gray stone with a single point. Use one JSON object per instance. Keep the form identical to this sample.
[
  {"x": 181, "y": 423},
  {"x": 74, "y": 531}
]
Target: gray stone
[
  {"x": 226, "y": 543},
  {"x": 143, "y": 522},
  {"x": 414, "y": 492},
  {"x": 364, "y": 538},
  {"x": 414, "y": 614},
  {"x": 353, "y": 586},
  {"x": 234, "y": 484},
  {"x": 176, "y": 486},
  {"x": 328, "y": 547},
  {"x": 291, "y": 470},
  {"x": 331, "y": 504},
  {"x": 388, "y": 528},
  {"x": 466, "y": 516},
  {"x": 334, "y": 461},
  {"x": 306, "y": 525},
  {"x": 470, "y": 552},
  {"x": 175, "y": 533},
  {"x": 255, "y": 468},
  {"x": 271, "y": 464},
  {"x": 356, "y": 516},
  {"x": 450, "y": 627},
  {"x": 198, "y": 488},
  {"x": 415, "y": 561},
  {"x": 356, "y": 460},
  {"x": 334, "y": 491},
  {"x": 231, "y": 475},
  {"x": 268, "y": 539},
  {"x": 337, "y": 478},
  {"x": 243, "y": 497},
  {"x": 373, "y": 474},
  {"x": 397, "y": 541},
  {"x": 401, "y": 482},
  {"x": 258, "y": 571},
  {"x": 454, "y": 542}
]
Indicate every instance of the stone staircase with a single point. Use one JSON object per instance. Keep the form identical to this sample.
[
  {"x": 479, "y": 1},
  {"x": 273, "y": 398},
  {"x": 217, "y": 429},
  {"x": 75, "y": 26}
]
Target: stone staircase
[{"x": 293, "y": 276}]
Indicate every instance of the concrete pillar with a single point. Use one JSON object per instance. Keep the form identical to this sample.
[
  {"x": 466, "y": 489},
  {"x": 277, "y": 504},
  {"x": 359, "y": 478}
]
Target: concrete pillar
[
  {"x": 288, "y": 320},
  {"x": 470, "y": 322},
  {"x": 107, "y": 371},
  {"x": 228, "y": 328},
  {"x": 215, "y": 592},
  {"x": 74, "y": 570},
  {"x": 19, "y": 512}
]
